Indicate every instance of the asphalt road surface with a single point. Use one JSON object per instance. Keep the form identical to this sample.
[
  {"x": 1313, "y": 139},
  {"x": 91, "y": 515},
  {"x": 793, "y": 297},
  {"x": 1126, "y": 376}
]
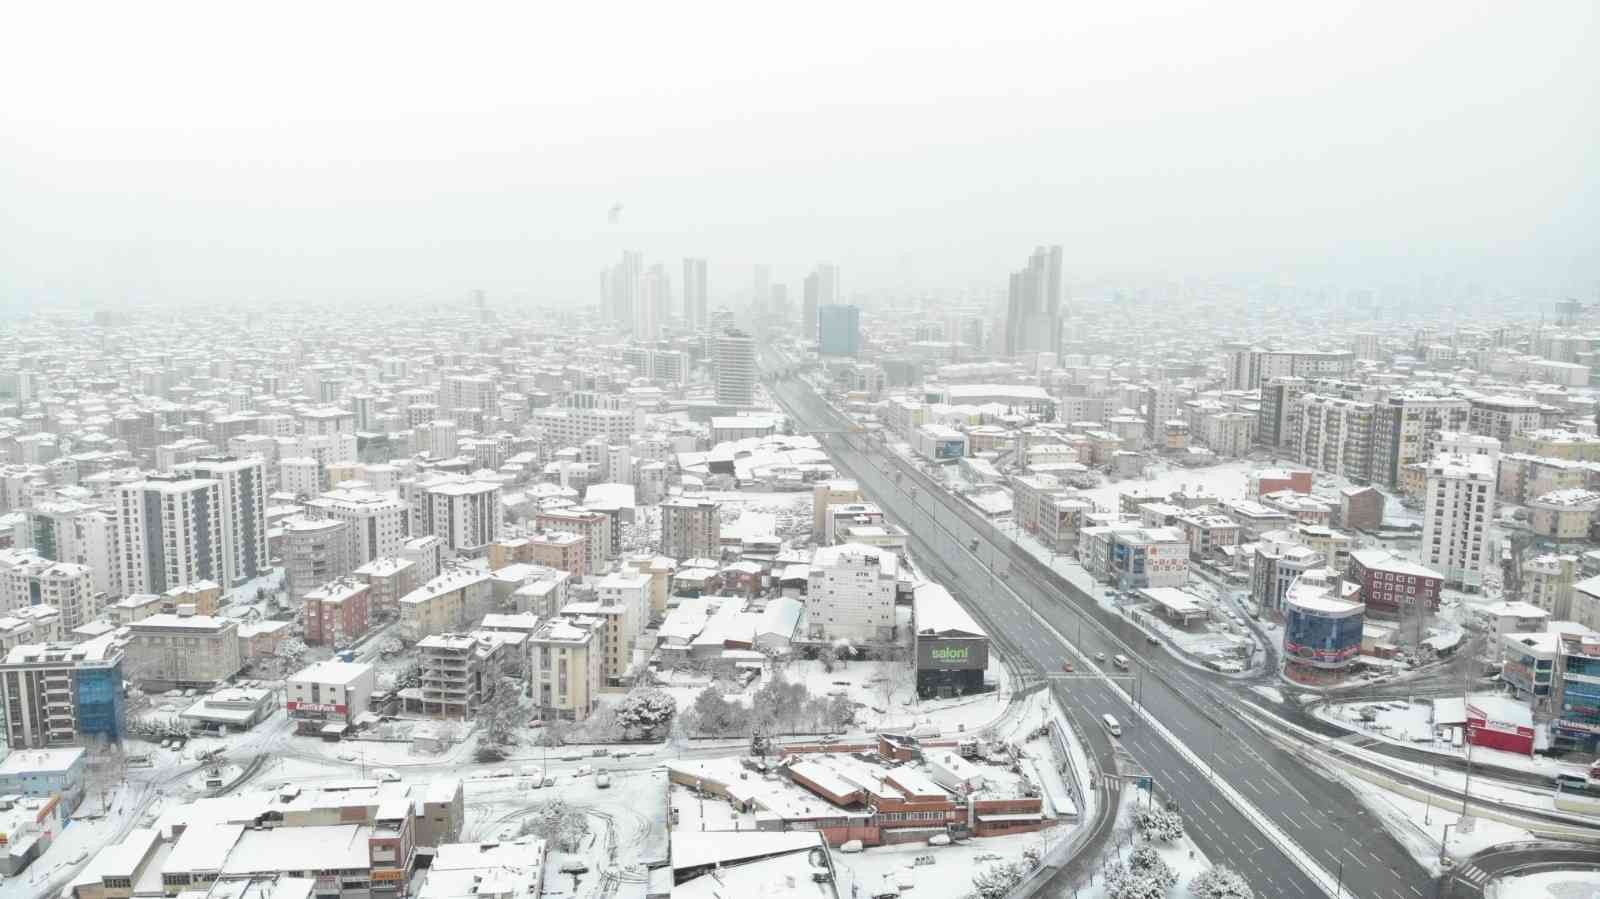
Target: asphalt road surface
[{"x": 1323, "y": 818}]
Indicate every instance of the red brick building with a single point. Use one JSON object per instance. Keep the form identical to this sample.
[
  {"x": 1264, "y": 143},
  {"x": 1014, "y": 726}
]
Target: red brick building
[
  {"x": 1391, "y": 585},
  {"x": 336, "y": 613},
  {"x": 1272, "y": 480}
]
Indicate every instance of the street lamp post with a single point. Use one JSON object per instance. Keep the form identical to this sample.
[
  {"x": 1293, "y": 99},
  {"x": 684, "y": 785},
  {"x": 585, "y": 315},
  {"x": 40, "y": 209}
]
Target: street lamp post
[{"x": 1444, "y": 840}]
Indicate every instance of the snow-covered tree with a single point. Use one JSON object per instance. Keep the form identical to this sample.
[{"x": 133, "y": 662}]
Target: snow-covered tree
[
  {"x": 645, "y": 710},
  {"x": 558, "y": 823},
  {"x": 500, "y": 715},
  {"x": 714, "y": 715},
  {"x": 1145, "y": 876},
  {"x": 1159, "y": 825},
  {"x": 1220, "y": 882},
  {"x": 997, "y": 880}
]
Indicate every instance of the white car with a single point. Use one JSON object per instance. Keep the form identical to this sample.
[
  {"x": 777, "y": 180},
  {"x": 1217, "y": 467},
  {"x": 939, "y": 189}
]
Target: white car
[{"x": 386, "y": 775}]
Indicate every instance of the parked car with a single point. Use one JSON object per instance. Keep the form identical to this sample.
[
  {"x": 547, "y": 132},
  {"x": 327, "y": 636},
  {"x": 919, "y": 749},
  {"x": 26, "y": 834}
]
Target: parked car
[{"x": 1066, "y": 666}]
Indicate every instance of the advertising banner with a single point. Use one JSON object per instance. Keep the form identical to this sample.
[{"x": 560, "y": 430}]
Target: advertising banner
[{"x": 952, "y": 655}]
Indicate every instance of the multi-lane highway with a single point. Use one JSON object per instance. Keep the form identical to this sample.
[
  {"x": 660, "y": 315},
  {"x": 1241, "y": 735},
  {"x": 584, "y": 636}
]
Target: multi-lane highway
[{"x": 1324, "y": 821}]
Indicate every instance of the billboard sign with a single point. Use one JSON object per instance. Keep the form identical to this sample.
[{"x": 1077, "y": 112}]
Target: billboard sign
[
  {"x": 322, "y": 707},
  {"x": 952, "y": 655},
  {"x": 949, "y": 449}
]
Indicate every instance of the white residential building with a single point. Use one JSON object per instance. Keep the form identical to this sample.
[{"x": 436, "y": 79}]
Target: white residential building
[
  {"x": 850, "y": 593},
  {"x": 242, "y": 492},
  {"x": 300, "y": 475},
  {"x": 1456, "y": 516},
  {"x": 379, "y": 522},
  {"x": 736, "y": 369},
  {"x": 462, "y": 512},
  {"x": 171, "y": 532}
]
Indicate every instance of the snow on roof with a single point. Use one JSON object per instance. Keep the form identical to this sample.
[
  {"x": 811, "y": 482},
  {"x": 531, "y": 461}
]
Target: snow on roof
[
  {"x": 331, "y": 672},
  {"x": 327, "y": 847},
  {"x": 835, "y": 556},
  {"x": 205, "y": 848},
  {"x": 33, "y": 761},
  {"x": 1384, "y": 560},
  {"x": 936, "y": 612},
  {"x": 619, "y": 496},
  {"x": 693, "y": 849},
  {"x": 781, "y": 617},
  {"x": 1176, "y": 601},
  {"x": 1501, "y": 708}
]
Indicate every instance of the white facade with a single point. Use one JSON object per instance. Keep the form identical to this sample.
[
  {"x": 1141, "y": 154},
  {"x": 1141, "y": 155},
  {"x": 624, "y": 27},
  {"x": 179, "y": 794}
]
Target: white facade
[
  {"x": 1457, "y": 512},
  {"x": 171, "y": 533},
  {"x": 464, "y": 514},
  {"x": 379, "y": 522},
  {"x": 330, "y": 689},
  {"x": 850, "y": 593},
  {"x": 736, "y": 369},
  {"x": 300, "y": 475},
  {"x": 242, "y": 491}
]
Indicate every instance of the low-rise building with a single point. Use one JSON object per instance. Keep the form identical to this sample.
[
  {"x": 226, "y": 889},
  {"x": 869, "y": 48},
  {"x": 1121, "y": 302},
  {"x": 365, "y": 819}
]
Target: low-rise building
[
  {"x": 451, "y": 602},
  {"x": 1135, "y": 557},
  {"x": 182, "y": 651},
  {"x": 1393, "y": 586},
  {"x": 330, "y": 692},
  {"x": 336, "y": 613},
  {"x": 459, "y": 672}
]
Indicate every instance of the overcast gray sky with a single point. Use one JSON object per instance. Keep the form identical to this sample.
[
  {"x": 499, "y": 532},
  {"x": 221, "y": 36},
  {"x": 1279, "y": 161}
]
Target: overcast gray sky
[{"x": 236, "y": 152}]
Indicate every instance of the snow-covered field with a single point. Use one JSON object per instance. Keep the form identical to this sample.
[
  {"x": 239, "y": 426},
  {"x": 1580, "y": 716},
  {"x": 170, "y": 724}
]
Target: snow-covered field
[
  {"x": 884, "y": 694},
  {"x": 1546, "y": 885}
]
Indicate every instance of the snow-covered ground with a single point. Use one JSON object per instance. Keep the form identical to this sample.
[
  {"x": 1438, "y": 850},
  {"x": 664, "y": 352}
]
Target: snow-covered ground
[
  {"x": 884, "y": 694},
  {"x": 1419, "y": 826},
  {"x": 1546, "y": 885},
  {"x": 1411, "y": 724}
]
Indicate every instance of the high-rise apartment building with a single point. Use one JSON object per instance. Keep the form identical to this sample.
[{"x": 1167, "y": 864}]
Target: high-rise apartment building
[
  {"x": 619, "y": 288},
  {"x": 171, "y": 532},
  {"x": 694, "y": 293},
  {"x": 691, "y": 529},
  {"x": 1335, "y": 435},
  {"x": 839, "y": 330},
  {"x": 1406, "y": 428},
  {"x": 1033, "y": 304},
  {"x": 654, "y": 299},
  {"x": 1248, "y": 369},
  {"x": 1456, "y": 515},
  {"x": 59, "y": 694},
  {"x": 379, "y": 522},
  {"x": 314, "y": 551},
  {"x": 736, "y": 369},
  {"x": 242, "y": 493}
]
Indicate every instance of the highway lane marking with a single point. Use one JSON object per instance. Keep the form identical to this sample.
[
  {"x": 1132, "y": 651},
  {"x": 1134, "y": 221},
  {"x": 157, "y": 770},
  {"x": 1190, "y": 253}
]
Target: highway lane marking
[
  {"x": 1414, "y": 889},
  {"x": 1353, "y": 856},
  {"x": 1251, "y": 785},
  {"x": 1375, "y": 856}
]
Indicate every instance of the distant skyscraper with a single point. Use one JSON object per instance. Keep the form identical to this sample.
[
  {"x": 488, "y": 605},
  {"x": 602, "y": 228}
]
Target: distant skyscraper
[
  {"x": 779, "y": 308},
  {"x": 1033, "y": 304},
  {"x": 839, "y": 331},
  {"x": 619, "y": 288},
  {"x": 760, "y": 289},
  {"x": 694, "y": 293},
  {"x": 736, "y": 369},
  {"x": 654, "y": 298},
  {"x": 808, "y": 308}
]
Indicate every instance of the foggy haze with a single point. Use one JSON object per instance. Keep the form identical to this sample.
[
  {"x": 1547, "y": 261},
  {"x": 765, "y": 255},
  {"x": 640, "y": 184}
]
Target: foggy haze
[{"x": 310, "y": 152}]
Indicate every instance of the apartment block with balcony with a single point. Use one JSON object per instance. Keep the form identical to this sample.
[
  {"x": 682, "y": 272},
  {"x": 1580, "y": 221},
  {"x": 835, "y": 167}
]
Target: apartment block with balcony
[
  {"x": 458, "y": 673},
  {"x": 566, "y": 668},
  {"x": 58, "y": 694}
]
